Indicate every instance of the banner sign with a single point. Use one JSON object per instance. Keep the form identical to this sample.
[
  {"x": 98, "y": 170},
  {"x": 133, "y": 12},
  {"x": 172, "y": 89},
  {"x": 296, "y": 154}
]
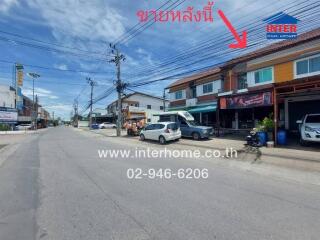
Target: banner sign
[
  {"x": 8, "y": 115},
  {"x": 246, "y": 101},
  {"x": 19, "y": 68}
]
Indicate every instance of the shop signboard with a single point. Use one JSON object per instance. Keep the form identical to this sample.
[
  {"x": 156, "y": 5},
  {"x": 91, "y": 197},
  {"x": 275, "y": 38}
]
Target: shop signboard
[
  {"x": 8, "y": 115},
  {"x": 246, "y": 101}
]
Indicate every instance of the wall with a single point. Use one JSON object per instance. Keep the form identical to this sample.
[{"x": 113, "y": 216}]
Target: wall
[
  {"x": 283, "y": 72},
  {"x": 145, "y": 100},
  {"x": 7, "y": 97}
]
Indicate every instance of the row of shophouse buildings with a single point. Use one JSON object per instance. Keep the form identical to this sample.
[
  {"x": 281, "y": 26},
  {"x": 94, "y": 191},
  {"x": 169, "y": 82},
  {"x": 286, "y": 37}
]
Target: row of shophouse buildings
[
  {"x": 282, "y": 80},
  {"x": 10, "y": 114}
]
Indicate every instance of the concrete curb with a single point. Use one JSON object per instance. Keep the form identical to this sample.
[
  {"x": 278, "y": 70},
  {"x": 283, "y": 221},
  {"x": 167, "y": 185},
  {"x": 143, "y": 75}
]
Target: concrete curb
[
  {"x": 22, "y": 132},
  {"x": 263, "y": 154}
]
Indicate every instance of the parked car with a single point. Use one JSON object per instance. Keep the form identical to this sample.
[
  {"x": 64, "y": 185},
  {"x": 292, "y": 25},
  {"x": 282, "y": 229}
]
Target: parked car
[
  {"x": 24, "y": 127},
  {"x": 95, "y": 126},
  {"x": 309, "y": 128},
  {"x": 162, "y": 132},
  {"x": 188, "y": 126},
  {"x": 194, "y": 130},
  {"x": 107, "y": 125}
]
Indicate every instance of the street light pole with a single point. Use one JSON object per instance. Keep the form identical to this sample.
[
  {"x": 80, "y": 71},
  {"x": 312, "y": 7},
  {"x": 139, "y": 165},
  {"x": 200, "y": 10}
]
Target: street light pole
[{"x": 33, "y": 117}]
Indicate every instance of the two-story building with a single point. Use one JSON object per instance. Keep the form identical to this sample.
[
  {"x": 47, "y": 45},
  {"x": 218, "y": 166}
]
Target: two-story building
[
  {"x": 197, "y": 94},
  {"x": 137, "y": 104},
  {"x": 280, "y": 80}
]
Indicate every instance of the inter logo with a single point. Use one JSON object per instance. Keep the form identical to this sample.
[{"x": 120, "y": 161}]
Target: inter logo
[{"x": 281, "y": 26}]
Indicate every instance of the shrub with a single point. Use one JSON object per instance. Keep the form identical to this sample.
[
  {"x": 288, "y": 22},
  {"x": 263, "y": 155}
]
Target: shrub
[{"x": 4, "y": 127}]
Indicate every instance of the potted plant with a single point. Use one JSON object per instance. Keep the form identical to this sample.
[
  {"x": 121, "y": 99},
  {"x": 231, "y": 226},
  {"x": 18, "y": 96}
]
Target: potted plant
[
  {"x": 261, "y": 132},
  {"x": 268, "y": 125}
]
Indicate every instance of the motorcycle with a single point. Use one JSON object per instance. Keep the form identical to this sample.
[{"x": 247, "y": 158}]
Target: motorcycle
[{"x": 253, "y": 139}]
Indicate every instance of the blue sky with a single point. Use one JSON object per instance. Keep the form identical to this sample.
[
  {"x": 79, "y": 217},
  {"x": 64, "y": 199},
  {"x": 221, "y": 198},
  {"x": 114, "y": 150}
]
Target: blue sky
[{"x": 88, "y": 26}]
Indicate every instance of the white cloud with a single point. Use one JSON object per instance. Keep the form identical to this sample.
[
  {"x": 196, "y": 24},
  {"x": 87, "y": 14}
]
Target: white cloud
[
  {"x": 5, "y": 5},
  {"x": 93, "y": 20},
  {"x": 40, "y": 92},
  {"x": 61, "y": 66},
  {"x": 60, "y": 110}
]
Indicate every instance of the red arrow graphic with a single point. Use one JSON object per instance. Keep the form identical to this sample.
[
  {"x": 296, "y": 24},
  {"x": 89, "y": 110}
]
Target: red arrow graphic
[{"x": 242, "y": 42}]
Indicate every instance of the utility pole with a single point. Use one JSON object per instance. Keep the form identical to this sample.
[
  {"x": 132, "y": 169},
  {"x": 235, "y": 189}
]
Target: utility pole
[
  {"x": 53, "y": 119},
  {"x": 164, "y": 99},
  {"x": 75, "y": 119},
  {"x": 33, "y": 76},
  {"x": 119, "y": 85},
  {"x": 92, "y": 84},
  {"x": 36, "y": 113}
]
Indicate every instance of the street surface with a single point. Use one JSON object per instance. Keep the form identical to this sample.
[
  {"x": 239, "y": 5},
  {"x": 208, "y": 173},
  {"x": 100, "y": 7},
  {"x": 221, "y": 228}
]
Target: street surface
[{"x": 55, "y": 186}]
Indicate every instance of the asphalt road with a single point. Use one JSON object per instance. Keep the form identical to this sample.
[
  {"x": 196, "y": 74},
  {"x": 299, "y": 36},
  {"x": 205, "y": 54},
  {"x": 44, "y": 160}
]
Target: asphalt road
[{"x": 55, "y": 186}]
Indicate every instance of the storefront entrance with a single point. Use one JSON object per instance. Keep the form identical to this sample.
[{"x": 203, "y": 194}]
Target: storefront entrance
[
  {"x": 243, "y": 112},
  {"x": 205, "y": 115}
]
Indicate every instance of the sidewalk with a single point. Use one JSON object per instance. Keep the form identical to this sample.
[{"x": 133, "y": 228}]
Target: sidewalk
[
  {"x": 19, "y": 132},
  {"x": 297, "y": 158}
]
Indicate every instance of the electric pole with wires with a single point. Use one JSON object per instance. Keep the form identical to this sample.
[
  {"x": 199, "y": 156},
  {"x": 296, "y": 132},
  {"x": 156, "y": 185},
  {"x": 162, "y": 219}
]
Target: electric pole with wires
[
  {"x": 75, "y": 118},
  {"x": 118, "y": 57},
  {"x": 92, "y": 84}
]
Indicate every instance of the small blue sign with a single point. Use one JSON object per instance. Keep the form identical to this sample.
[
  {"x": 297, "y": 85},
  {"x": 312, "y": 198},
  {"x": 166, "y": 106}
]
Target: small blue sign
[{"x": 281, "y": 26}]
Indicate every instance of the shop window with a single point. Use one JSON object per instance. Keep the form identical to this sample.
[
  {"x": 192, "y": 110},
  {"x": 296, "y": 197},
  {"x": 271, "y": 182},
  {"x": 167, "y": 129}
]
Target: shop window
[
  {"x": 178, "y": 94},
  {"x": 302, "y": 67},
  {"x": 308, "y": 67},
  {"x": 263, "y": 75},
  {"x": 207, "y": 88},
  {"x": 242, "y": 81},
  {"x": 314, "y": 64}
]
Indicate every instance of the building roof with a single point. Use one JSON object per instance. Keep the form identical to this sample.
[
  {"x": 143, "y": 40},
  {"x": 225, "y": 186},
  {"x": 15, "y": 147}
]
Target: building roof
[
  {"x": 281, "y": 18},
  {"x": 302, "y": 38},
  {"x": 140, "y": 93},
  {"x": 305, "y": 37},
  {"x": 195, "y": 77},
  {"x": 137, "y": 93}
]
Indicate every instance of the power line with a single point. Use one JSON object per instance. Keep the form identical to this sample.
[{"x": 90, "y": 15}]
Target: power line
[
  {"x": 119, "y": 39},
  {"x": 147, "y": 25},
  {"x": 208, "y": 45},
  {"x": 56, "y": 69},
  {"x": 46, "y": 48},
  {"x": 49, "y": 43},
  {"x": 208, "y": 54}
]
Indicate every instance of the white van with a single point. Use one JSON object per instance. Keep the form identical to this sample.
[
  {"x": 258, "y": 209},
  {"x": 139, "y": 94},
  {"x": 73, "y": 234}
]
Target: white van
[{"x": 188, "y": 126}]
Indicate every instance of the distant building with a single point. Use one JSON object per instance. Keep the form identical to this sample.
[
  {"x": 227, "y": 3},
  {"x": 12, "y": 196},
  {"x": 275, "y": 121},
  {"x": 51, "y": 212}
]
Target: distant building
[
  {"x": 7, "y": 96},
  {"x": 8, "y": 113},
  {"x": 138, "y": 104}
]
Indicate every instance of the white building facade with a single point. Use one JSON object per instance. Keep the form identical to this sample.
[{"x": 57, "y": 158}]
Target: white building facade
[
  {"x": 138, "y": 104},
  {"x": 7, "y": 96}
]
